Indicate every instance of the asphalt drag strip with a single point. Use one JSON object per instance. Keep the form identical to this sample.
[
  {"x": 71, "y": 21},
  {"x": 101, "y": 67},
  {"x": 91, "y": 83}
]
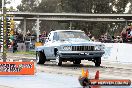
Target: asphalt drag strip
[
  {"x": 39, "y": 80},
  {"x": 42, "y": 80}
]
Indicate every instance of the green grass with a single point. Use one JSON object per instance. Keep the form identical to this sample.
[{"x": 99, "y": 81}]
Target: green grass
[{"x": 26, "y": 52}]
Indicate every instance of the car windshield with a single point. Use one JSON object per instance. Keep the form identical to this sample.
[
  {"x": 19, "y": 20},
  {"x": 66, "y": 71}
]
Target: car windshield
[{"x": 68, "y": 35}]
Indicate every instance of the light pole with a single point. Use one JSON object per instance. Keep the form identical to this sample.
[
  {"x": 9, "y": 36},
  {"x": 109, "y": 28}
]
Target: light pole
[
  {"x": 70, "y": 25},
  {"x": 38, "y": 30},
  {"x": 4, "y": 31},
  {"x": 3, "y": 5}
]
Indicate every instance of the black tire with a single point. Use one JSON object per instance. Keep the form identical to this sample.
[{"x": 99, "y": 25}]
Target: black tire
[
  {"x": 40, "y": 57},
  {"x": 97, "y": 61},
  {"x": 77, "y": 62},
  {"x": 58, "y": 60}
]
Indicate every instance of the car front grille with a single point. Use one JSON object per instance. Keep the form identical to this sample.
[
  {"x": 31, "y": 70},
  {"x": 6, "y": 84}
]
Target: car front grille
[{"x": 82, "y": 48}]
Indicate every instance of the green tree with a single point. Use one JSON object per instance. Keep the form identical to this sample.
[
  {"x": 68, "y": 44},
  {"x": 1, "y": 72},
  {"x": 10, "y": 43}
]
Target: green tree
[
  {"x": 6, "y": 2},
  {"x": 130, "y": 6},
  {"x": 47, "y": 6},
  {"x": 0, "y": 3},
  {"x": 27, "y": 5}
]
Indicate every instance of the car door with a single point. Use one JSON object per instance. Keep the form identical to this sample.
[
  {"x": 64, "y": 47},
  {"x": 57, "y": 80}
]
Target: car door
[{"x": 49, "y": 49}]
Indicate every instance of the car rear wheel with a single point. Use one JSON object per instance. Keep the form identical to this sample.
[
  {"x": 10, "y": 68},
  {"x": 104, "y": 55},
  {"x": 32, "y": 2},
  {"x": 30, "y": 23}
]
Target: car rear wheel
[
  {"x": 77, "y": 62},
  {"x": 97, "y": 61},
  {"x": 40, "y": 57}
]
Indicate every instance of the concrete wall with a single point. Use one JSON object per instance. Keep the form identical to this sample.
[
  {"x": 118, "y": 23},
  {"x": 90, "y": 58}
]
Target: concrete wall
[{"x": 118, "y": 52}]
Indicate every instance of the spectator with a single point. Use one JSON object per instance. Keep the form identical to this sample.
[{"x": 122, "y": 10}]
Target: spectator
[
  {"x": 113, "y": 37},
  {"x": 15, "y": 46},
  {"x": 93, "y": 38},
  {"x": 124, "y": 35},
  {"x": 19, "y": 38},
  {"x": 43, "y": 37},
  {"x": 28, "y": 33},
  {"x": 101, "y": 39},
  {"x": 89, "y": 35}
]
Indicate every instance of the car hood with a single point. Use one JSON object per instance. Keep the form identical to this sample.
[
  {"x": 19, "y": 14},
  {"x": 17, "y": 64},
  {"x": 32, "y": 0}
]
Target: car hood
[
  {"x": 78, "y": 41},
  {"x": 39, "y": 48}
]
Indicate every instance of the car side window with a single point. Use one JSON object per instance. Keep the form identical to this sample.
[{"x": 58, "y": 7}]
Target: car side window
[{"x": 55, "y": 36}]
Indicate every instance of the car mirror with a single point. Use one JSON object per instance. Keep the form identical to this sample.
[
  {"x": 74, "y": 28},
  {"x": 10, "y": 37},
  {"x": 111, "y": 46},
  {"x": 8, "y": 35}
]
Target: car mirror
[{"x": 48, "y": 39}]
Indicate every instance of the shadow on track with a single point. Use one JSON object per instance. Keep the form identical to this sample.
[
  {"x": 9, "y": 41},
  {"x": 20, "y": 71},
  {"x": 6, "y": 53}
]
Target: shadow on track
[{"x": 66, "y": 65}]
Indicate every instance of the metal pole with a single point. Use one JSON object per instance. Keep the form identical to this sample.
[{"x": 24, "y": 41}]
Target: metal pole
[
  {"x": 3, "y": 5},
  {"x": 24, "y": 34},
  {"x": 1, "y": 24},
  {"x": 4, "y": 31},
  {"x": 37, "y": 30},
  {"x": 70, "y": 25},
  {"x": 126, "y": 24}
]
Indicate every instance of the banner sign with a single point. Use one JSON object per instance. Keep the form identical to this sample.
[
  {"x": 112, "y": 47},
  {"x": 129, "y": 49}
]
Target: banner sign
[{"x": 16, "y": 68}]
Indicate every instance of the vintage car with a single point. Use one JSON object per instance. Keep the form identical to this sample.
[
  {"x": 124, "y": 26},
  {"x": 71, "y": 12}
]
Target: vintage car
[{"x": 69, "y": 45}]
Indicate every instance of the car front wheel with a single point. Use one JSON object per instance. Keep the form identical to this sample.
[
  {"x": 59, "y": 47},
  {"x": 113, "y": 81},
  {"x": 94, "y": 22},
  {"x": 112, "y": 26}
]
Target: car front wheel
[
  {"x": 77, "y": 62},
  {"x": 40, "y": 57},
  {"x": 58, "y": 60},
  {"x": 97, "y": 61}
]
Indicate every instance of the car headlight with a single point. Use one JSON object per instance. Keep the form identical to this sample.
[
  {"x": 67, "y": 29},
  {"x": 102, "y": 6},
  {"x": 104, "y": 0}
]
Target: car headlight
[
  {"x": 102, "y": 47},
  {"x": 67, "y": 48},
  {"x": 99, "y": 47}
]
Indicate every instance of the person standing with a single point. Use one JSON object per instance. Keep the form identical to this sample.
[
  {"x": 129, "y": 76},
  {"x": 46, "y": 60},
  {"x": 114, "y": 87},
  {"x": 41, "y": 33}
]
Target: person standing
[
  {"x": 89, "y": 35},
  {"x": 15, "y": 46}
]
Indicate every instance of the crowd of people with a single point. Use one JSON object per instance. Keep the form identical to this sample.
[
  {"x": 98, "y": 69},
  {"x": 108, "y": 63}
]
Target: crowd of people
[
  {"x": 19, "y": 38},
  {"x": 106, "y": 38}
]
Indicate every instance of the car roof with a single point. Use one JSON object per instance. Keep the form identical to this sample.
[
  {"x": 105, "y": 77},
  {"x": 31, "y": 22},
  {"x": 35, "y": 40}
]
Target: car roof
[{"x": 68, "y": 30}]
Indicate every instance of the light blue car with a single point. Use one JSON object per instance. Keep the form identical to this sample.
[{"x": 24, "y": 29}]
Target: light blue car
[{"x": 69, "y": 45}]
